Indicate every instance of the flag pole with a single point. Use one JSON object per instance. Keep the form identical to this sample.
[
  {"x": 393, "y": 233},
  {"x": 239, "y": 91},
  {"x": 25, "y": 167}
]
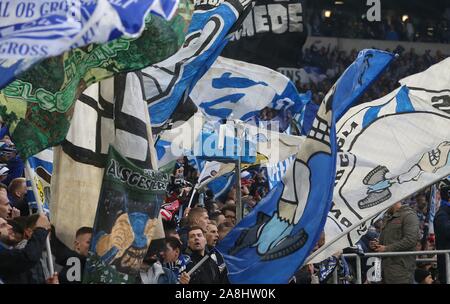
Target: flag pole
[
  {"x": 40, "y": 211},
  {"x": 238, "y": 173}
]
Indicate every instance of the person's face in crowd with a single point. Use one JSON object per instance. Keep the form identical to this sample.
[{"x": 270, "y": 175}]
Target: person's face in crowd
[
  {"x": 223, "y": 233},
  {"x": 82, "y": 243},
  {"x": 421, "y": 202},
  {"x": 244, "y": 190},
  {"x": 21, "y": 191},
  {"x": 3, "y": 177},
  {"x": 203, "y": 221},
  {"x": 212, "y": 235},
  {"x": 171, "y": 255},
  {"x": 6, "y": 231},
  {"x": 197, "y": 241},
  {"x": 17, "y": 237},
  {"x": 5, "y": 207},
  {"x": 230, "y": 217},
  {"x": 428, "y": 280},
  {"x": 395, "y": 207},
  {"x": 220, "y": 219}
]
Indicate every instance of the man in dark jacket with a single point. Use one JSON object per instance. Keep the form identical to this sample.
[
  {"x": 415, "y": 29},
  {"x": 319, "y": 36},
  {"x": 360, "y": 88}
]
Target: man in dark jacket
[
  {"x": 208, "y": 272},
  {"x": 442, "y": 231},
  {"x": 400, "y": 232},
  {"x": 71, "y": 259},
  {"x": 14, "y": 261}
]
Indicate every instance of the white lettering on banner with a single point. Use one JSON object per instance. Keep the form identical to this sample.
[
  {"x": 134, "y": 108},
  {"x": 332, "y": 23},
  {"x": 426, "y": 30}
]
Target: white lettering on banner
[
  {"x": 278, "y": 18},
  {"x": 208, "y": 2},
  {"x": 261, "y": 19},
  {"x": 271, "y": 18}
]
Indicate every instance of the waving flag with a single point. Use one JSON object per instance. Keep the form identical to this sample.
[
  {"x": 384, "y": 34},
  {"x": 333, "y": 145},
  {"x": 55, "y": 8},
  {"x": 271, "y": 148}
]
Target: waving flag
[
  {"x": 32, "y": 30},
  {"x": 106, "y": 113},
  {"x": 273, "y": 241},
  {"x": 389, "y": 149},
  {"x": 166, "y": 83},
  {"x": 272, "y": 35},
  {"x": 36, "y": 105},
  {"x": 239, "y": 90},
  {"x": 42, "y": 166}
]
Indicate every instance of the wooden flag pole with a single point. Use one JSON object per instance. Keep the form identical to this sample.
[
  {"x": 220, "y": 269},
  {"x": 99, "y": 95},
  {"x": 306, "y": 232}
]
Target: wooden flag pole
[{"x": 40, "y": 211}]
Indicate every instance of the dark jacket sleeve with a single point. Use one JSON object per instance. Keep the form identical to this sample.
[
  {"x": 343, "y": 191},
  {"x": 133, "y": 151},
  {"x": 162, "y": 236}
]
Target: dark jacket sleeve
[
  {"x": 410, "y": 231},
  {"x": 20, "y": 260},
  {"x": 61, "y": 252}
]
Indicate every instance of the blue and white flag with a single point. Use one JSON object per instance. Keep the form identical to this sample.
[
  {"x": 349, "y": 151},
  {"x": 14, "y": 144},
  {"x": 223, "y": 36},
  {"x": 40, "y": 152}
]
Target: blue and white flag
[
  {"x": 276, "y": 172},
  {"x": 233, "y": 89},
  {"x": 42, "y": 166},
  {"x": 273, "y": 241},
  {"x": 390, "y": 148},
  {"x": 169, "y": 81},
  {"x": 32, "y": 30}
]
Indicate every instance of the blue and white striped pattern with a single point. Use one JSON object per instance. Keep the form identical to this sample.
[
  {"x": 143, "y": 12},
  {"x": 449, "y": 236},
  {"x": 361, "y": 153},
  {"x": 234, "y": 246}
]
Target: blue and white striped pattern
[{"x": 37, "y": 29}]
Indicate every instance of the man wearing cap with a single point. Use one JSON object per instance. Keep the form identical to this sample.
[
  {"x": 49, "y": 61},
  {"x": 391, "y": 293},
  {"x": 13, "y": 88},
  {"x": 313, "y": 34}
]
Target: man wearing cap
[{"x": 442, "y": 230}]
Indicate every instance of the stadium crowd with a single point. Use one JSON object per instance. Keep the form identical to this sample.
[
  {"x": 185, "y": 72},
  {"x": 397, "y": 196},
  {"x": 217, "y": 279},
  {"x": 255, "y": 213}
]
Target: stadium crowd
[
  {"x": 392, "y": 26},
  {"x": 192, "y": 234}
]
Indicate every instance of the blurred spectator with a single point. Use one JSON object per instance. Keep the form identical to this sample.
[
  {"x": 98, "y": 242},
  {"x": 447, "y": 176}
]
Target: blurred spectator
[
  {"x": 17, "y": 191},
  {"x": 423, "y": 276},
  {"x": 223, "y": 230},
  {"x": 442, "y": 230},
  {"x": 14, "y": 262},
  {"x": 229, "y": 211},
  {"x": 175, "y": 260},
  {"x": 400, "y": 233}
]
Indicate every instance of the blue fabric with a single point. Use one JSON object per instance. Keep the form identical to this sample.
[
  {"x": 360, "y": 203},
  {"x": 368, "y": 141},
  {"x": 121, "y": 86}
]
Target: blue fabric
[
  {"x": 41, "y": 33},
  {"x": 309, "y": 116},
  {"x": 193, "y": 67},
  {"x": 246, "y": 259},
  {"x": 403, "y": 105}
]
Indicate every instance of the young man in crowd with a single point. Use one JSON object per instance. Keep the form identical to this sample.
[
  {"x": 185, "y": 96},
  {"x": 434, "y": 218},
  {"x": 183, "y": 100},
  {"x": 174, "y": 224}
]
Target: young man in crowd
[
  {"x": 208, "y": 272},
  {"x": 17, "y": 191},
  {"x": 212, "y": 237},
  {"x": 229, "y": 211},
  {"x": 39, "y": 273},
  {"x": 6, "y": 211},
  {"x": 197, "y": 216},
  {"x": 175, "y": 260},
  {"x": 16, "y": 261},
  {"x": 223, "y": 230},
  {"x": 69, "y": 258}
]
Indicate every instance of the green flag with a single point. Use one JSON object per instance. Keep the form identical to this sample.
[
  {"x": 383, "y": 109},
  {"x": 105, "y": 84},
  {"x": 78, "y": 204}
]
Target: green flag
[
  {"x": 37, "y": 105},
  {"x": 127, "y": 212}
]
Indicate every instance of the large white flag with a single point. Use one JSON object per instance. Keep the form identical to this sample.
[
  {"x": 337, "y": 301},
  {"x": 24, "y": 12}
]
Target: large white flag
[
  {"x": 389, "y": 149},
  {"x": 106, "y": 113}
]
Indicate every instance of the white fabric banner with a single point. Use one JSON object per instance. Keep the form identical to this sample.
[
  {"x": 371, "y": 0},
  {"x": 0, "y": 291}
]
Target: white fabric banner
[{"x": 389, "y": 149}]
